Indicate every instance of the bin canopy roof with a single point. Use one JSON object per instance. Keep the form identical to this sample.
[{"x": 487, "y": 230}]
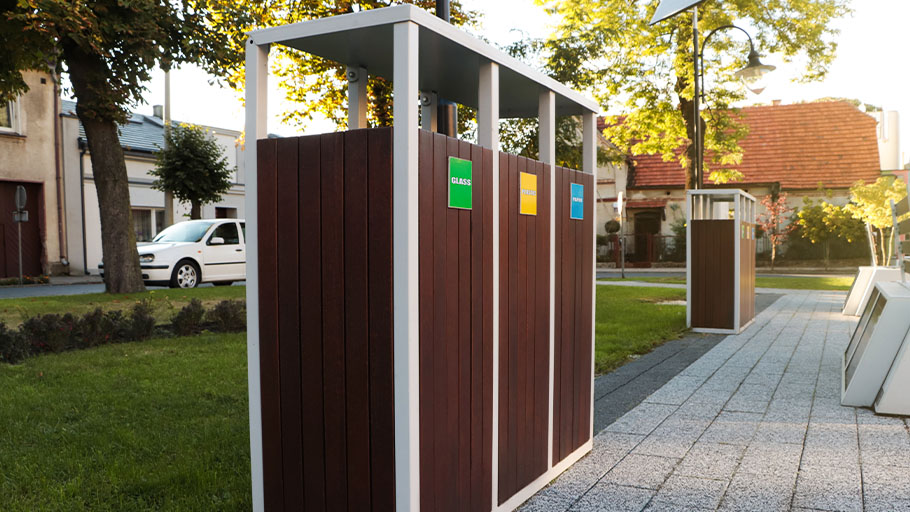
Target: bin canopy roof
[{"x": 449, "y": 58}]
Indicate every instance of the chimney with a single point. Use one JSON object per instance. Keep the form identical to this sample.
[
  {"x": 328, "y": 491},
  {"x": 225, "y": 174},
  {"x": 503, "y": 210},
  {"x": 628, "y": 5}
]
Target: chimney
[
  {"x": 776, "y": 103},
  {"x": 158, "y": 111}
]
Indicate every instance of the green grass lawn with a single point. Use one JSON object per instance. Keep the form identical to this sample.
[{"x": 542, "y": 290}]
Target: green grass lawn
[
  {"x": 163, "y": 424},
  {"x": 628, "y": 322},
  {"x": 792, "y": 283},
  {"x": 156, "y": 425},
  {"x": 166, "y": 302}
]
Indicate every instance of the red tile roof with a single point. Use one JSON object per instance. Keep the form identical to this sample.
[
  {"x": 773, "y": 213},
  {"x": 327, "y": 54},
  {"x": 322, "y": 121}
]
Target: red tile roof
[{"x": 798, "y": 145}]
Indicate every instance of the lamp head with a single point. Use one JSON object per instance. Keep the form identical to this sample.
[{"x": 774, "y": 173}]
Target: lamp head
[{"x": 752, "y": 75}]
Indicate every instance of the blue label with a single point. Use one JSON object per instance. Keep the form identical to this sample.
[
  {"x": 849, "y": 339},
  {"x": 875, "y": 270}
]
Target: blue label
[{"x": 577, "y": 208}]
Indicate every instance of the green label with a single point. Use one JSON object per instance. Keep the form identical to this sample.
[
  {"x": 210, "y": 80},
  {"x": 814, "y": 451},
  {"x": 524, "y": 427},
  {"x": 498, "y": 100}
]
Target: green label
[{"x": 459, "y": 183}]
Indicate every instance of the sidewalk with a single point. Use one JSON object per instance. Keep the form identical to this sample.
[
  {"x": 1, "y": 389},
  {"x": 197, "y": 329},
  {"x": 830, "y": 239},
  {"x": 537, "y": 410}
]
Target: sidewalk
[{"x": 754, "y": 424}]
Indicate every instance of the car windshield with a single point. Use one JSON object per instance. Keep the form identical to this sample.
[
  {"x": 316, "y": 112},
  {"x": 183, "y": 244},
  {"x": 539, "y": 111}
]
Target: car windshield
[{"x": 184, "y": 232}]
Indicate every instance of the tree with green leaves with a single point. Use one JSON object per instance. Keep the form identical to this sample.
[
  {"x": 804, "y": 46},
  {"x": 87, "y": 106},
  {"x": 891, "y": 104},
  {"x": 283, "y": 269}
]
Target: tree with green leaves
[
  {"x": 108, "y": 49},
  {"x": 192, "y": 167},
  {"x": 317, "y": 87},
  {"x": 815, "y": 226},
  {"x": 871, "y": 203},
  {"x": 645, "y": 73}
]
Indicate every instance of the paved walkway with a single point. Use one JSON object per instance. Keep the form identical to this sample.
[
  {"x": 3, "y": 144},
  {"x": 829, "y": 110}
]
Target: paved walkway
[{"x": 754, "y": 425}]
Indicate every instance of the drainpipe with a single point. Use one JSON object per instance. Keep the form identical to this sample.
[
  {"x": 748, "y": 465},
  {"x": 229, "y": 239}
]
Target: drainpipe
[
  {"x": 82, "y": 151},
  {"x": 61, "y": 198}
]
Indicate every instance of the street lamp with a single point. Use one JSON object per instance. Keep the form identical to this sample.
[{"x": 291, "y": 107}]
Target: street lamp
[{"x": 751, "y": 75}]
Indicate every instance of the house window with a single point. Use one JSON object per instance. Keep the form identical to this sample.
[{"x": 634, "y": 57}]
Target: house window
[
  {"x": 147, "y": 222},
  {"x": 222, "y": 212},
  {"x": 142, "y": 223},
  {"x": 9, "y": 116}
]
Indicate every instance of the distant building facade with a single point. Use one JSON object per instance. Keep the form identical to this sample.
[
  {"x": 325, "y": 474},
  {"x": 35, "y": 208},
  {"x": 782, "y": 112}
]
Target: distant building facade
[
  {"x": 30, "y": 157},
  {"x": 141, "y": 138}
]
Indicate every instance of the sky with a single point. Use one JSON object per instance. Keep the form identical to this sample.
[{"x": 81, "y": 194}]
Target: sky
[{"x": 872, "y": 65}]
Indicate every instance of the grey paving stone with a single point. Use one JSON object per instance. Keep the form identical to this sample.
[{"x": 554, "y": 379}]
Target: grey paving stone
[
  {"x": 643, "y": 419},
  {"x": 662, "y": 506},
  {"x": 885, "y": 444},
  {"x": 747, "y": 493},
  {"x": 781, "y": 431},
  {"x": 676, "y": 391},
  {"x": 886, "y": 484},
  {"x": 777, "y": 460},
  {"x": 606, "y": 497},
  {"x": 692, "y": 492},
  {"x": 710, "y": 460},
  {"x": 644, "y": 471},
  {"x": 732, "y": 428},
  {"x": 831, "y": 444},
  {"x": 695, "y": 409},
  {"x": 829, "y": 488},
  {"x": 673, "y": 437},
  {"x": 548, "y": 500}
]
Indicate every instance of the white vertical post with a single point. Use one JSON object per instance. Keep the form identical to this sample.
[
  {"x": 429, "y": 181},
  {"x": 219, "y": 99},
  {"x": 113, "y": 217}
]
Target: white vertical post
[
  {"x": 404, "y": 267},
  {"x": 429, "y": 110},
  {"x": 357, "y": 97},
  {"x": 589, "y": 165},
  {"x": 546, "y": 112},
  {"x": 737, "y": 262},
  {"x": 488, "y": 137},
  {"x": 257, "y": 70}
]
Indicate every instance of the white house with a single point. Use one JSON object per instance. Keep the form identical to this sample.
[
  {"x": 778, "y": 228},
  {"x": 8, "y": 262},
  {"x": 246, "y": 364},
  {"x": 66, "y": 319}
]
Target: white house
[{"x": 141, "y": 138}]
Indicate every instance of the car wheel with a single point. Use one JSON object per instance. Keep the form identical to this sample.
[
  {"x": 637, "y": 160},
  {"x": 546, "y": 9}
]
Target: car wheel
[
  {"x": 223, "y": 283},
  {"x": 186, "y": 275}
]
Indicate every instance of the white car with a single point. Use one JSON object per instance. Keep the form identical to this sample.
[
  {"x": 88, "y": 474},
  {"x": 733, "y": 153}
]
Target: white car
[{"x": 195, "y": 251}]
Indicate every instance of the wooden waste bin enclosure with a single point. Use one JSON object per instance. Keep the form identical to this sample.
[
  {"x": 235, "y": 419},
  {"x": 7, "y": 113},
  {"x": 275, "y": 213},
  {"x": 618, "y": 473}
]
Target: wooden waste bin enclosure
[
  {"x": 720, "y": 263},
  {"x": 494, "y": 426}
]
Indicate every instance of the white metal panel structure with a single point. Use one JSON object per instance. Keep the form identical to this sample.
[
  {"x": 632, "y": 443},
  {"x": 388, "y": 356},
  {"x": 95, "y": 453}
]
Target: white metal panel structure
[
  {"x": 875, "y": 342},
  {"x": 864, "y": 285},
  {"x": 894, "y": 396},
  {"x": 418, "y": 53}
]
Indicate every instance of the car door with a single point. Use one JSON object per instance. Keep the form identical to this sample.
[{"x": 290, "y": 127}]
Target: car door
[
  {"x": 243, "y": 250},
  {"x": 223, "y": 261}
]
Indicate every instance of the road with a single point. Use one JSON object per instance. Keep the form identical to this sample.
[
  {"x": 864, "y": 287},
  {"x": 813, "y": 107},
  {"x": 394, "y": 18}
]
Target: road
[{"x": 22, "y": 292}]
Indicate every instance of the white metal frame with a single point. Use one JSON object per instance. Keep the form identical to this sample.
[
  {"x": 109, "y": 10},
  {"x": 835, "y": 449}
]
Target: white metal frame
[
  {"x": 408, "y": 24},
  {"x": 699, "y": 206}
]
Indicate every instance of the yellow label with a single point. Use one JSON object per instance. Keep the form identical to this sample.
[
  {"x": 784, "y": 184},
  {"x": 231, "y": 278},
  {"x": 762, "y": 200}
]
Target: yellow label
[{"x": 527, "y": 194}]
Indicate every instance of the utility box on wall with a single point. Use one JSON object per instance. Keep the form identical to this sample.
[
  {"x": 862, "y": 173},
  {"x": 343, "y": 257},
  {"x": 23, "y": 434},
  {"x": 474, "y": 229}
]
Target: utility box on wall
[{"x": 720, "y": 260}]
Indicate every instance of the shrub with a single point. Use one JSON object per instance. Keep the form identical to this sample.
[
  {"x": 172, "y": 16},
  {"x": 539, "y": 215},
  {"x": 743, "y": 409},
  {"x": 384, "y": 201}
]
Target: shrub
[
  {"x": 141, "y": 321},
  {"x": 188, "y": 321},
  {"x": 49, "y": 333},
  {"x": 94, "y": 329},
  {"x": 228, "y": 316},
  {"x": 13, "y": 346}
]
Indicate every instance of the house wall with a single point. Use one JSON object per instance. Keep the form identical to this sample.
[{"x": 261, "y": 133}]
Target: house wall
[
  {"x": 142, "y": 196},
  {"x": 28, "y": 156},
  {"x": 611, "y": 179}
]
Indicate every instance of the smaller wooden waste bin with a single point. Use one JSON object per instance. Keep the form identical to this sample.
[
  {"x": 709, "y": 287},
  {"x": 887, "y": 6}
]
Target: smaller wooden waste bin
[{"x": 720, "y": 260}]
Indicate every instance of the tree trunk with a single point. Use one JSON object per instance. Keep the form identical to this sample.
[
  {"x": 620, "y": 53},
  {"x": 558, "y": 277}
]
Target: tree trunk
[
  {"x": 826, "y": 254},
  {"x": 687, "y": 109},
  {"x": 881, "y": 237},
  {"x": 773, "y": 255},
  {"x": 195, "y": 210},
  {"x": 118, "y": 238}
]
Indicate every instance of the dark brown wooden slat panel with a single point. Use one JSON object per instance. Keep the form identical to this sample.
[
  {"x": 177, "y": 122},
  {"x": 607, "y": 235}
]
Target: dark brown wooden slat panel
[
  {"x": 585, "y": 326},
  {"x": 579, "y": 328},
  {"x": 382, "y": 392},
  {"x": 288, "y": 323},
  {"x": 504, "y": 255},
  {"x": 332, "y": 154},
  {"x": 520, "y": 420},
  {"x": 713, "y": 259},
  {"x": 441, "y": 462},
  {"x": 559, "y": 241},
  {"x": 476, "y": 501},
  {"x": 310, "y": 229},
  {"x": 463, "y": 480},
  {"x": 356, "y": 319},
  {"x": 450, "y": 350},
  {"x": 530, "y": 300},
  {"x": 568, "y": 317},
  {"x": 542, "y": 320},
  {"x": 487, "y": 461},
  {"x": 427, "y": 317},
  {"x": 267, "y": 189},
  {"x": 514, "y": 329}
]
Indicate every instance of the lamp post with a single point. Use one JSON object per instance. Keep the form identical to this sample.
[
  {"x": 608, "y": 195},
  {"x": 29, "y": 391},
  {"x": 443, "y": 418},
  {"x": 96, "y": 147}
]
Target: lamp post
[{"x": 750, "y": 75}]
